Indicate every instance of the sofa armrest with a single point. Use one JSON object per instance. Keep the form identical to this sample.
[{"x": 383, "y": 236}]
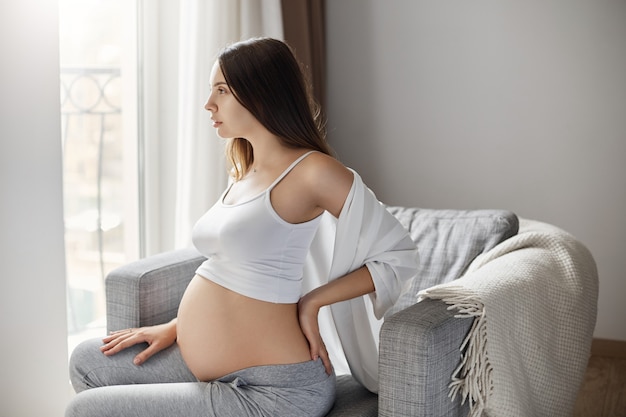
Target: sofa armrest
[
  {"x": 419, "y": 351},
  {"x": 147, "y": 292}
]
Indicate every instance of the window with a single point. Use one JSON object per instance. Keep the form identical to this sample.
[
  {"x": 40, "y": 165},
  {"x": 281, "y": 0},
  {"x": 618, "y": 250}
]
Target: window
[{"x": 100, "y": 141}]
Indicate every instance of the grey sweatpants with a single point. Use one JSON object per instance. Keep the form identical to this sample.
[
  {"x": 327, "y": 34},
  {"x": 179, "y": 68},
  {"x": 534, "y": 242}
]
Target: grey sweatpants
[{"x": 163, "y": 386}]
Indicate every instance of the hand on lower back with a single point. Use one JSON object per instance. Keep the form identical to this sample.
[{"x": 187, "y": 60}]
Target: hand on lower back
[{"x": 307, "y": 315}]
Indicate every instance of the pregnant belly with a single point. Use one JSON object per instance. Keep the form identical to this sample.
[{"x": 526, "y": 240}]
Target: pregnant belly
[{"x": 220, "y": 331}]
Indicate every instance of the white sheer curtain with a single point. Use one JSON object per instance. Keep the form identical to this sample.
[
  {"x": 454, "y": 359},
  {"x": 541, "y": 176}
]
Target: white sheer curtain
[{"x": 206, "y": 26}]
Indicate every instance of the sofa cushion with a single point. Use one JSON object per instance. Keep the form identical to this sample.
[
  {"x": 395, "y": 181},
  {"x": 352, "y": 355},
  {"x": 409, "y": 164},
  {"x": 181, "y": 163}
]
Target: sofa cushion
[
  {"x": 448, "y": 241},
  {"x": 353, "y": 399}
]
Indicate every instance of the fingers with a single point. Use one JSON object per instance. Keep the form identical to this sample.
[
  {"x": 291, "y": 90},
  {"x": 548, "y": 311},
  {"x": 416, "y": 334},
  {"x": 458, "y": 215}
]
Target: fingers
[
  {"x": 145, "y": 354},
  {"x": 322, "y": 353},
  {"x": 318, "y": 349},
  {"x": 157, "y": 337},
  {"x": 310, "y": 329},
  {"x": 120, "y": 340},
  {"x": 118, "y": 334}
]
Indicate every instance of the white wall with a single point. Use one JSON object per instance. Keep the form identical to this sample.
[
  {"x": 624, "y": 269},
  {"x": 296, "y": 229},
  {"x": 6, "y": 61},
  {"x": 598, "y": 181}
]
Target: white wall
[
  {"x": 489, "y": 104},
  {"x": 33, "y": 349}
]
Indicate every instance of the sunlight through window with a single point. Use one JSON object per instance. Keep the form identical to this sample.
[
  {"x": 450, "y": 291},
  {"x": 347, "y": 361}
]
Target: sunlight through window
[{"x": 99, "y": 133}]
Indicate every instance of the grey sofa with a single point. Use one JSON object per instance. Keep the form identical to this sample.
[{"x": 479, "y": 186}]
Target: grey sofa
[{"x": 419, "y": 344}]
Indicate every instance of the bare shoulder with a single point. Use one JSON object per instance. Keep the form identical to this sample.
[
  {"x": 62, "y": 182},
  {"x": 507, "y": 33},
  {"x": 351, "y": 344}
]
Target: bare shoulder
[
  {"x": 327, "y": 168},
  {"x": 328, "y": 180}
]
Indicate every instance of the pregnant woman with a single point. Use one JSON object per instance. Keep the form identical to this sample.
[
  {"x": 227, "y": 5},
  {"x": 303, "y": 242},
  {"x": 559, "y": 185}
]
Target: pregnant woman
[{"x": 246, "y": 341}]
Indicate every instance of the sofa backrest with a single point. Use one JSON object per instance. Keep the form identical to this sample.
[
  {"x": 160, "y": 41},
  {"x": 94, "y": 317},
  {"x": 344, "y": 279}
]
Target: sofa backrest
[{"x": 448, "y": 241}]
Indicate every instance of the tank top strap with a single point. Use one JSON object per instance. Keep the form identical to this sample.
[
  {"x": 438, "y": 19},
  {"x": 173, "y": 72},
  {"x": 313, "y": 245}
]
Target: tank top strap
[{"x": 288, "y": 170}]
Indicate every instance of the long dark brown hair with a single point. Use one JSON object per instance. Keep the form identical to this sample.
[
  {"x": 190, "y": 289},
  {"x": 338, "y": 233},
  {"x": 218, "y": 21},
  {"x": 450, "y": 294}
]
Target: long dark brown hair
[{"x": 265, "y": 77}]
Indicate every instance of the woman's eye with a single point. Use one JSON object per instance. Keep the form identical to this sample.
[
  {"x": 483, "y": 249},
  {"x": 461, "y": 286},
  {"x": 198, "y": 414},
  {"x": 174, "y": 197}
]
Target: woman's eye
[{"x": 221, "y": 90}]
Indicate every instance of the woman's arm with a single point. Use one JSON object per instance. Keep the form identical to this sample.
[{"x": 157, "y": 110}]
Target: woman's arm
[
  {"x": 330, "y": 183},
  {"x": 157, "y": 337},
  {"x": 355, "y": 284}
]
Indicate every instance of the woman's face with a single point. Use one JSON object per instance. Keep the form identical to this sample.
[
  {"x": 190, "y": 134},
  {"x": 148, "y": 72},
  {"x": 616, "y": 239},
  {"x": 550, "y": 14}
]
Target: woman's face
[{"x": 230, "y": 118}]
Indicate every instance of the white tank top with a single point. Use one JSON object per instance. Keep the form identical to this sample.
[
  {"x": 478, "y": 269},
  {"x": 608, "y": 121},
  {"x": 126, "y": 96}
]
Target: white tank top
[{"x": 251, "y": 250}]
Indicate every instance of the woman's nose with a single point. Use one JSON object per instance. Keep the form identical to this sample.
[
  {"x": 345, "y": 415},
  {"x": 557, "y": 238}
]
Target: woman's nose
[{"x": 209, "y": 106}]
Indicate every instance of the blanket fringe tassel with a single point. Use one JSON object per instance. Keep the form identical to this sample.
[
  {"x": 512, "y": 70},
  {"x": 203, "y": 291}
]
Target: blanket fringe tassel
[{"x": 472, "y": 378}]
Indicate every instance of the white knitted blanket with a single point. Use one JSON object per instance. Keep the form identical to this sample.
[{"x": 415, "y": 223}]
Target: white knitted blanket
[{"x": 534, "y": 298}]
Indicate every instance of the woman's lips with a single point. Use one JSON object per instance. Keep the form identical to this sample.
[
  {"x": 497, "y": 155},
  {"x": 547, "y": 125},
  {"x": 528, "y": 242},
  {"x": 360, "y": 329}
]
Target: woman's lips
[{"x": 216, "y": 123}]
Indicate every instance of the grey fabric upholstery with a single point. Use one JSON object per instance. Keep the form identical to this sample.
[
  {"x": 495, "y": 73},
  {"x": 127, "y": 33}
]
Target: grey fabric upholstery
[
  {"x": 419, "y": 345},
  {"x": 148, "y": 291},
  {"x": 448, "y": 240},
  {"x": 353, "y": 399},
  {"x": 419, "y": 351}
]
